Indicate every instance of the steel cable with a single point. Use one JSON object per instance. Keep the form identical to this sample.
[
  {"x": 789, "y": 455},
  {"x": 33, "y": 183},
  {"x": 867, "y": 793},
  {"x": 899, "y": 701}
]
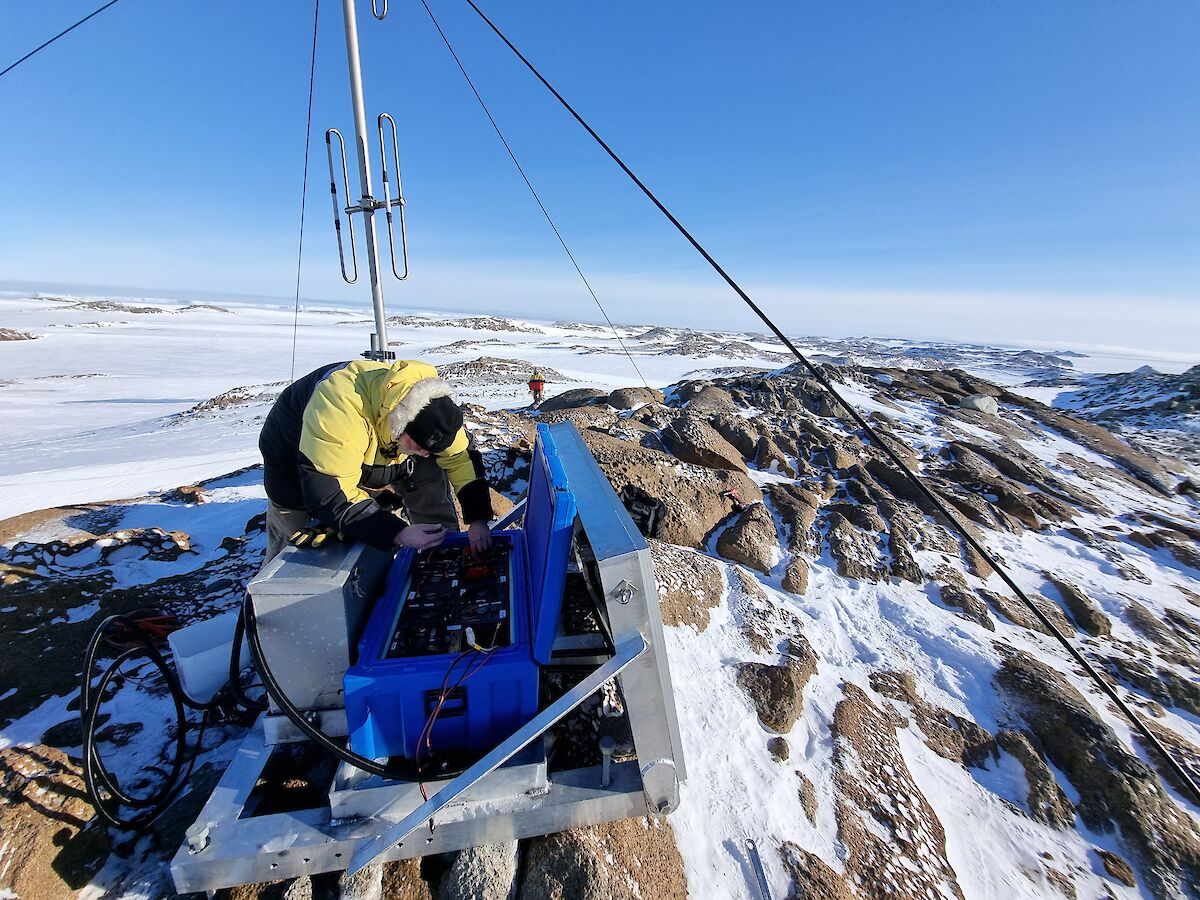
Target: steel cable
[
  {"x": 312, "y": 71},
  {"x": 1184, "y": 775},
  {"x": 532, "y": 190},
  {"x": 62, "y": 33}
]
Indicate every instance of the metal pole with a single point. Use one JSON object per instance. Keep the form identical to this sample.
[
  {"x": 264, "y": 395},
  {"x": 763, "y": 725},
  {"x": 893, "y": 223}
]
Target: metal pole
[{"x": 368, "y": 204}]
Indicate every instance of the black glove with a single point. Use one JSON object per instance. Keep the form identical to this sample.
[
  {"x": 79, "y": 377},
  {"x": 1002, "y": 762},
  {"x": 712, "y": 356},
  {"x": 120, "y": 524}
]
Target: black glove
[
  {"x": 315, "y": 536},
  {"x": 388, "y": 500}
]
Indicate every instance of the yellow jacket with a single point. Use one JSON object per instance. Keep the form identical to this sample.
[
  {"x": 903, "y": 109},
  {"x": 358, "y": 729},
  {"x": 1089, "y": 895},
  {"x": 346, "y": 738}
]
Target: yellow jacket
[{"x": 327, "y": 438}]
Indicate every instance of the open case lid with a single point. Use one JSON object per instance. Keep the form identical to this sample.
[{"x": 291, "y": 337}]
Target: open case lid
[{"x": 549, "y": 524}]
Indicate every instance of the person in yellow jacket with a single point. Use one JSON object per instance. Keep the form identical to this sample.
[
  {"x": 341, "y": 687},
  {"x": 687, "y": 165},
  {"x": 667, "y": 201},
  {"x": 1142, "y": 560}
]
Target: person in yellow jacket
[{"x": 351, "y": 441}]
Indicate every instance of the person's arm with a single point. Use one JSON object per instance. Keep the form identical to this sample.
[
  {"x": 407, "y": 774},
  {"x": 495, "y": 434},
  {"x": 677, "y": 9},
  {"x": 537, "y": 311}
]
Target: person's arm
[
  {"x": 463, "y": 465},
  {"x": 333, "y": 443}
]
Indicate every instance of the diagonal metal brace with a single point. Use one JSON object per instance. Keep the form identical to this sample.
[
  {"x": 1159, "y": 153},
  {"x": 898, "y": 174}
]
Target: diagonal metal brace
[{"x": 627, "y": 651}]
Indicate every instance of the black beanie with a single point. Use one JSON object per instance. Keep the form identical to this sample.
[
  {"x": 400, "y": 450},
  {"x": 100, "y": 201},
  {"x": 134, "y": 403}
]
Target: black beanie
[{"x": 436, "y": 425}]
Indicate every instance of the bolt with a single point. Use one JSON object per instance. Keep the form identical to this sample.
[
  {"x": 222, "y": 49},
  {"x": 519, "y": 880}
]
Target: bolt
[
  {"x": 197, "y": 837},
  {"x": 607, "y": 745}
]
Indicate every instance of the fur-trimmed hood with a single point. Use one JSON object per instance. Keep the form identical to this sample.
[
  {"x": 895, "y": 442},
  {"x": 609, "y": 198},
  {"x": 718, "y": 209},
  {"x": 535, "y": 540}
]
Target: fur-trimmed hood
[{"x": 414, "y": 400}]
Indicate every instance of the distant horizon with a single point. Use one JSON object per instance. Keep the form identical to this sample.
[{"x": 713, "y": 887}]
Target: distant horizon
[{"x": 1174, "y": 361}]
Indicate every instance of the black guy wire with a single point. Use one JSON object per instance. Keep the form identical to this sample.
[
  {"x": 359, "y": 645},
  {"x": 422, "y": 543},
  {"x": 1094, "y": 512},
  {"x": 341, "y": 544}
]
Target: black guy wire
[
  {"x": 312, "y": 71},
  {"x": 1177, "y": 767},
  {"x": 529, "y": 184},
  {"x": 65, "y": 31}
]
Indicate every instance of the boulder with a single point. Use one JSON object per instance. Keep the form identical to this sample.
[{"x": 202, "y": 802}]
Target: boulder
[
  {"x": 980, "y": 403},
  {"x": 778, "y": 691},
  {"x": 795, "y": 579},
  {"x": 797, "y": 507},
  {"x": 693, "y": 440},
  {"x": 633, "y": 859},
  {"x": 573, "y": 397},
  {"x": 633, "y": 397},
  {"x": 812, "y": 877},
  {"x": 482, "y": 873},
  {"x": 751, "y": 540},
  {"x": 696, "y": 498}
]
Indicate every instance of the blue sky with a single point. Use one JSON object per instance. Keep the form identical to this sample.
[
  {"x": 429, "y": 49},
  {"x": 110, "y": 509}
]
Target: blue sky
[{"x": 1022, "y": 172}]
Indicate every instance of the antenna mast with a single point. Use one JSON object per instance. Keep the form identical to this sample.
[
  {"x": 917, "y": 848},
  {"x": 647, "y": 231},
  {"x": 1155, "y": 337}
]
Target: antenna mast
[{"x": 367, "y": 203}]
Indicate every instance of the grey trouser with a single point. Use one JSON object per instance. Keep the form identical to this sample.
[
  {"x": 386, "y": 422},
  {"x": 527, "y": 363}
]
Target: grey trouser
[{"x": 425, "y": 495}]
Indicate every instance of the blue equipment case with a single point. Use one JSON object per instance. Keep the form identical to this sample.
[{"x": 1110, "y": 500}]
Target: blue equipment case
[{"x": 390, "y": 698}]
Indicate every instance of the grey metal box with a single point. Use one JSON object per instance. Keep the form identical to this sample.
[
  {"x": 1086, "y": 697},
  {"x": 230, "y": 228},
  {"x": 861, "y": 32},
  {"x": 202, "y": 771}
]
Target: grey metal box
[{"x": 310, "y": 606}]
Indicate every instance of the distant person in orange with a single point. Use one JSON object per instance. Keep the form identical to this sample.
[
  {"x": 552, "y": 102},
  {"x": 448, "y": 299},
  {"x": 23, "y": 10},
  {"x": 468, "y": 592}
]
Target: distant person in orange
[{"x": 536, "y": 384}]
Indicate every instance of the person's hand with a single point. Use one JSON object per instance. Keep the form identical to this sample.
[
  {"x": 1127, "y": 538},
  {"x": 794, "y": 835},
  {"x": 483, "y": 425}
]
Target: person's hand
[
  {"x": 421, "y": 537},
  {"x": 480, "y": 536},
  {"x": 387, "y": 499}
]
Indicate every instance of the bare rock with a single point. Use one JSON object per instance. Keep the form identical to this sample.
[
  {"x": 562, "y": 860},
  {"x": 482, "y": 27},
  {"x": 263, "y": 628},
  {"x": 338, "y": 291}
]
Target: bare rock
[
  {"x": 482, "y": 873},
  {"x": 808, "y": 797},
  {"x": 1046, "y": 800},
  {"x": 797, "y": 507},
  {"x": 696, "y": 498},
  {"x": 980, "y": 403},
  {"x": 751, "y": 540},
  {"x": 365, "y": 884},
  {"x": 891, "y": 834},
  {"x": 1117, "y": 868},
  {"x": 856, "y": 551},
  {"x": 767, "y": 627},
  {"x": 691, "y": 439},
  {"x": 1115, "y": 787},
  {"x": 948, "y": 735},
  {"x": 1011, "y": 608},
  {"x": 633, "y": 397},
  {"x": 778, "y": 748},
  {"x": 402, "y": 881},
  {"x": 689, "y": 585},
  {"x": 795, "y": 579},
  {"x": 52, "y": 848},
  {"x": 967, "y": 601},
  {"x": 812, "y": 878},
  {"x": 704, "y": 396},
  {"x": 634, "y": 859},
  {"x": 778, "y": 691},
  {"x": 573, "y": 397},
  {"x": 1086, "y": 614}
]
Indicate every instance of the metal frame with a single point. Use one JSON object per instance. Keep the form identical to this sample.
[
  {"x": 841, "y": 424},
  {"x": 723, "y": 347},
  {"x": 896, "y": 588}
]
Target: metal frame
[{"x": 224, "y": 850}]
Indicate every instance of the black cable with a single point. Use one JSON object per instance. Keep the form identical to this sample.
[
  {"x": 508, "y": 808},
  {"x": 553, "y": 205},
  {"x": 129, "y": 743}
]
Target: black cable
[
  {"x": 513, "y": 156},
  {"x": 235, "y": 668},
  {"x": 312, "y": 71},
  {"x": 98, "y": 781},
  {"x": 65, "y": 31},
  {"x": 296, "y": 716},
  {"x": 1178, "y": 768}
]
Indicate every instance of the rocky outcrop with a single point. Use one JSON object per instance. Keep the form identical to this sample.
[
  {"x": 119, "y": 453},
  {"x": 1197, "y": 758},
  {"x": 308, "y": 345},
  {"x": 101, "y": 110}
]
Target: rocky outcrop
[
  {"x": 51, "y": 845},
  {"x": 980, "y": 403},
  {"x": 696, "y": 498},
  {"x": 795, "y": 578},
  {"x": 689, "y": 585},
  {"x": 948, "y": 735},
  {"x": 1085, "y": 613},
  {"x": 634, "y": 859},
  {"x": 750, "y": 540},
  {"x": 797, "y": 508},
  {"x": 812, "y": 878},
  {"x": 693, "y": 440},
  {"x": 778, "y": 691},
  {"x": 856, "y": 551},
  {"x": 891, "y": 834},
  {"x": 1116, "y": 789},
  {"x": 1045, "y": 799}
]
